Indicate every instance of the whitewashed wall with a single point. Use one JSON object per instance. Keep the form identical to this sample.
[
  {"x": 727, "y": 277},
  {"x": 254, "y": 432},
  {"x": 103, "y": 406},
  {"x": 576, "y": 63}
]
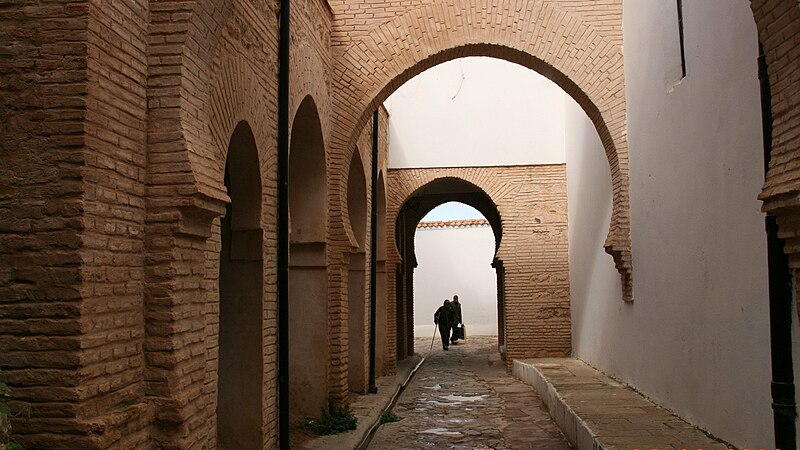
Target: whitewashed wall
[
  {"x": 476, "y": 112},
  {"x": 455, "y": 261},
  {"x": 696, "y": 337}
]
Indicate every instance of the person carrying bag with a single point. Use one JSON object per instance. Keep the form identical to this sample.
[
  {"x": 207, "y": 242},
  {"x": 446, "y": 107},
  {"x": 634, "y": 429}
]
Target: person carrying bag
[{"x": 459, "y": 330}]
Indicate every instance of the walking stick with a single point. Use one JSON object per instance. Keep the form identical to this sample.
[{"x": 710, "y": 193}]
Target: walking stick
[{"x": 433, "y": 338}]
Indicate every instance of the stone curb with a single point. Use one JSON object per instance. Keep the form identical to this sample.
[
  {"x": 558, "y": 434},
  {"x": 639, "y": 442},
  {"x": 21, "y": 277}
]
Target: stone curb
[
  {"x": 377, "y": 423},
  {"x": 368, "y": 410},
  {"x": 575, "y": 430},
  {"x": 615, "y": 416}
]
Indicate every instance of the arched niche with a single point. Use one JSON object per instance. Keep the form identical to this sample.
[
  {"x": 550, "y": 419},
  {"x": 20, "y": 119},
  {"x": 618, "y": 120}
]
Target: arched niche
[
  {"x": 358, "y": 312},
  {"x": 241, "y": 287},
  {"x": 308, "y": 296},
  {"x": 381, "y": 316}
]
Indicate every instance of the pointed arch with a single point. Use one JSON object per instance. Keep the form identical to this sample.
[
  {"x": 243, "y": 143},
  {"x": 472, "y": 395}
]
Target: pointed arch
[
  {"x": 586, "y": 61},
  {"x": 308, "y": 297}
]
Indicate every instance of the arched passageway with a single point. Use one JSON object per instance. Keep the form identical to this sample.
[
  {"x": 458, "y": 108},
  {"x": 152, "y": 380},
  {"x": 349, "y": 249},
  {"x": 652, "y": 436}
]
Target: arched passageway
[
  {"x": 381, "y": 314},
  {"x": 358, "y": 306},
  {"x": 308, "y": 304},
  {"x": 241, "y": 287},
  {"x": 526, "y": 206},
  {"x": 455, "y": 249},
  {"x": 490, "y": 31},
  {"x": 415, "y": 207}
]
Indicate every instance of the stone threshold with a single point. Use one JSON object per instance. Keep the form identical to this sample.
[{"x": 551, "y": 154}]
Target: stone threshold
[
  {"x": 596, "y": 412},
  {"x": 368, "y": 409}
]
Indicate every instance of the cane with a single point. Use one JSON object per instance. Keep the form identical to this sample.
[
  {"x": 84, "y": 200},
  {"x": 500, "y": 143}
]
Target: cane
[{"x": 433, "y": 338}]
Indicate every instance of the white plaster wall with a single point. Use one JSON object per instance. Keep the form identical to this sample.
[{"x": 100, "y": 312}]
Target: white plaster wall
[
  {"x": 696, "y": 338},
  {"x": 455, "y": 261},
  {"x": 476, "y": 111}
]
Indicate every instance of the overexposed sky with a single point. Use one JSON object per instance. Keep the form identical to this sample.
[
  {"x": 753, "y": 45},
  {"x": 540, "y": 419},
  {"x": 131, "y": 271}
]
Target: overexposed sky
[{"x": 452, "y": 211}]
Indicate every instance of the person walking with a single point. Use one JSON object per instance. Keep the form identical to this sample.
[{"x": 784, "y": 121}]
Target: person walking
[
  {"x": 443, "y": 319},
  {"x": 457, "y": 322}
]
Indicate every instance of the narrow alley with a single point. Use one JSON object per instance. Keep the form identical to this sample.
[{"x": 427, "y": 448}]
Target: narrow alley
[{"x": 465, "y": 399}]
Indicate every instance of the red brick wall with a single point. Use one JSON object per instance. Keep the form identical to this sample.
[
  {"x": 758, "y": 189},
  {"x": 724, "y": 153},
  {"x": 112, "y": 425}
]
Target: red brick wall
[
  {"x": 113, "y": 269},
  {"x": 43, "y": 73},
  {"x": 74, "y": 114}
]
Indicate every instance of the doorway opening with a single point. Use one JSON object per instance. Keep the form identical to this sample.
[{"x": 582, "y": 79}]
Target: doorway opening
[
  {"x": 241, "y": 290},
  {"x": 308, "y": 283},
  {"x": 358, "y": 302},
  {"x": 426, "y": 199},
  {"x": 454, "y": 246}
]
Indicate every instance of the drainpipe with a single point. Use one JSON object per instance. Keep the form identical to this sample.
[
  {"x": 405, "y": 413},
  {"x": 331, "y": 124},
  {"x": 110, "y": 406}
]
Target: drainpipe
[
  {"x": 373, "y": 260},
  {"x": 283, "y": 227},
  {"x": 780, "y": 296}
]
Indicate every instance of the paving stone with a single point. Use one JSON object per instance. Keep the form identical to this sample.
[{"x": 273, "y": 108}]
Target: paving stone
[{"x": 460, "y": 400}]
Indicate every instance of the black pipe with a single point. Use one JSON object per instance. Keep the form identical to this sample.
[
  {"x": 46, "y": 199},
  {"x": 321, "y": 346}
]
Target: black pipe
[
  {"x": 283, "y": 227},
  {"x": 780, "y": 296},
  {"x": 680, "y": 34},
  {"x": 373, "y": 259}
]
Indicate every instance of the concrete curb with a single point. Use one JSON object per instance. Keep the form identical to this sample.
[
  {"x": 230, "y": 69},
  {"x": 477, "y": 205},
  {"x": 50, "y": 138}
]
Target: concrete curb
[{"x": 575, "y": 430}]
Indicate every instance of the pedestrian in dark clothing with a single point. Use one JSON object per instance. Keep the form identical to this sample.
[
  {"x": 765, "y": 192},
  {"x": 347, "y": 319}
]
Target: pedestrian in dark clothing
[
  {"x": 443, "y": 318},
  {"x": 455, "y": 306}
]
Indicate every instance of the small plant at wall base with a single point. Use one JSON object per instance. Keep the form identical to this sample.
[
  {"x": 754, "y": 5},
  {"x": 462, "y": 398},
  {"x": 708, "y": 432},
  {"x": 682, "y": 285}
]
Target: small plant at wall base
[
  {"x": 6, "y": 442},
  {"x": 335, "y": 419},
  {"x": 389, "y": 416}
]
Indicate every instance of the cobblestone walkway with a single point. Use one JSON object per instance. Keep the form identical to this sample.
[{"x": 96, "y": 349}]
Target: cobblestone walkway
[{"x": 465, "y": 399}]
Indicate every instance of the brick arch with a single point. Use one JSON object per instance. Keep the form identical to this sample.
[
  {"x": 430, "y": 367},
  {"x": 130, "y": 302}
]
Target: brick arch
[
  {"x": 305, "y": 68},
  {"x": 187, "y": 40},
  {"x": 236, "y": 96},
  {"x": 489, "y": 211},
  {"x": 778, "y": 25},
  {"x": 577, "y": 54},
  {"x": 531, "y": 200},
  {"x": 356, "y": 181}
]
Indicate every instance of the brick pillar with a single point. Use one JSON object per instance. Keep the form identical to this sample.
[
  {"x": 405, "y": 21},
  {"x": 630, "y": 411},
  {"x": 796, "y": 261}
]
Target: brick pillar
[
  {"x": 501, "y": 308},
  {"x": 180, "y": 301}
]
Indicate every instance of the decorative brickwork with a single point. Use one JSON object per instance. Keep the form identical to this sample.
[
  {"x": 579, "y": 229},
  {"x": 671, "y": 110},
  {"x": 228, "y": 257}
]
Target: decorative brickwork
[
  {"x": 384, "y": 43},
  {"x": 778, "y": 24},
  {"x": 532, "y": 205},
  {"x": 467, "y": 223}
]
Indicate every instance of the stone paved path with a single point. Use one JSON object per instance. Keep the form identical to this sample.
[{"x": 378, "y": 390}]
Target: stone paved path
[{"x": 465, "y": 399}]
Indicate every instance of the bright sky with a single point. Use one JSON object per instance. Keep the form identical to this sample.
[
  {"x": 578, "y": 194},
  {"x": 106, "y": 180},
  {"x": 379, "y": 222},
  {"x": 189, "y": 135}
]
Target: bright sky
[{"x": 452, "y": 211}]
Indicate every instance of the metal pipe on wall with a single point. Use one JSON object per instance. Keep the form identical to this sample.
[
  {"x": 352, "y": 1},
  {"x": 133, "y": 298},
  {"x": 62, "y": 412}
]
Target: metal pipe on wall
[
  {"x": 373, "y": 260},
  {"x": 283, "y": 227}
]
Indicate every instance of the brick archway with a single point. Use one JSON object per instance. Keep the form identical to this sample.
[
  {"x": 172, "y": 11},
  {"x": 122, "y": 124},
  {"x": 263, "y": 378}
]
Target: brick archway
[
  {"x": 532, "y": 252},
  {"x": 486, "y": 206},
  {"x": 308, "y": 342},
  {"x": 578, "y": 52},
  {"x": 240, "y": 368},
  {"x": 414, "y": 194},
  {"x": 357, "y": 282},
  {"x": 778, "y": 25}
]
